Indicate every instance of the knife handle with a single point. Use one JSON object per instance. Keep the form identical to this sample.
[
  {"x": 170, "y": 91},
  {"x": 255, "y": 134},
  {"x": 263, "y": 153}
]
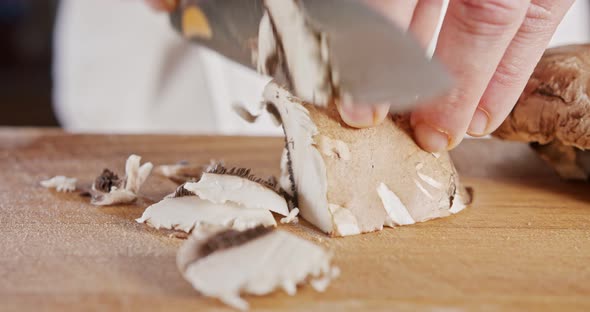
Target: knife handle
[{"x": 190, "y": 20}]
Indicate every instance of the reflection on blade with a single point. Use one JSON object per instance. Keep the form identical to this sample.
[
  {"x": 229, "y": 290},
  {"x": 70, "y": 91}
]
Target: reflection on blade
[{"x": 374, "y": 60}]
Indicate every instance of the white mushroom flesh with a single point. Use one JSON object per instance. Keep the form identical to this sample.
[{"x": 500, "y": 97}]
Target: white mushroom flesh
[
  {"x": 277, "y": 260},
  {"x": 267, "y": 51},
  {"x": 60, "y": 183},
  {"x": 187, "y": 212},
  {"x": 135, "y": 176},
  {"x": 222, "y": 188},
  {"x": 332, "y": 148},
  {"x": 309, "y": 171},
  {"x": 343, "y": 220},
  {"x": 396, "y": 210},
  {"x": 292, "y": 217},
  {"x": 304, "y": 53},
  {"x": 350, "y": 181}
]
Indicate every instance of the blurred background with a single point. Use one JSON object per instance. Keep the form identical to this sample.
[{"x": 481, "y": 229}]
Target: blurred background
[
  {"x": 26, "y": 29},
  {"x": 117, "y": 66}
]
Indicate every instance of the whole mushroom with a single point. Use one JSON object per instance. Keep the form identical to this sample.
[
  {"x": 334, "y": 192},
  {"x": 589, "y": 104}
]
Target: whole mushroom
[
  {"x": 349, "y": 181},
  {"x": 553, "y": 112}
]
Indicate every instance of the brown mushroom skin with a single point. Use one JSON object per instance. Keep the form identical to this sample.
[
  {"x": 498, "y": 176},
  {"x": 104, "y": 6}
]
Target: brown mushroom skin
[{"x": 553, "y": 112}]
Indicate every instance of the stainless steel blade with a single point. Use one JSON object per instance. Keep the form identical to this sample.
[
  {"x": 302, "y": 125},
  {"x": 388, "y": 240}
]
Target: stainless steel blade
[{"x": 375, "y": 61}]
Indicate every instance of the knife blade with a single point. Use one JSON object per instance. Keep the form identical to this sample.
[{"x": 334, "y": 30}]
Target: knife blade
[
  {"x": 375, "y": 60},
  {"x": 229, "y": 27}
]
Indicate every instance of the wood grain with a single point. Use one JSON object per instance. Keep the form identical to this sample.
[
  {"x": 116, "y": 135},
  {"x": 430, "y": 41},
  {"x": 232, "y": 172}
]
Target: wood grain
[{"x": 524, "y": 244}]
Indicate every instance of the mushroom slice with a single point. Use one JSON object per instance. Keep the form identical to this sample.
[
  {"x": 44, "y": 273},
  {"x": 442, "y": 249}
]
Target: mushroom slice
[
  {"x": 552, "y": 113},
  {"x": 109, "y": 189},
  {"x": 267, "y": 260},
  {"x": 220, "y": 185},
  {"x": 180, "y": 172},
  {"x": 289, "y": 46},
  {"x": 285, "y": 180},
  {"x": 60, "y": 183},
  {"x": 187, "y": 212},
  {"x": 349, "y": 181}
]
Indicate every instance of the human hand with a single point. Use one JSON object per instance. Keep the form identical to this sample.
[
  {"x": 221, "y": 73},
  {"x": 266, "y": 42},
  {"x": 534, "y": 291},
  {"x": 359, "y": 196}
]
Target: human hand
[
  {"x": 490, "y": 47},
  {"x": 163, "y": 5}
]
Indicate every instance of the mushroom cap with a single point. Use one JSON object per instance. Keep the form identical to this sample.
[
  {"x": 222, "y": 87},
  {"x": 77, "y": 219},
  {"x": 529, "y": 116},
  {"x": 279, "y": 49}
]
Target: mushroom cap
[{"x": 555, "y": 102}]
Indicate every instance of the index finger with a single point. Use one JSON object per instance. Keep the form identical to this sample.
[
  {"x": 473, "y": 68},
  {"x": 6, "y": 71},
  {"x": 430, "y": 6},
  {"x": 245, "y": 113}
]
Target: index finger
[{"x": 474, "y": 36}]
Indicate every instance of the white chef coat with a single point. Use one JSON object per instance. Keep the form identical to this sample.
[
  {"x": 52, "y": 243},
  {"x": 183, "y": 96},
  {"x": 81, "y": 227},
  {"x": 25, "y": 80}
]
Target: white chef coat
[{"x": 119, "y": 67}]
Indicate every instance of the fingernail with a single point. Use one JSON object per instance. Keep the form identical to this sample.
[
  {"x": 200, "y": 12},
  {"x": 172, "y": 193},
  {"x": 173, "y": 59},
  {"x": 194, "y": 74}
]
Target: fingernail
[
  {"x": 431, "y": 139},
  {"x": 479, "y": 123},
  {"x": 380, "y": 112},
  {"x": 357, "y": 116}
]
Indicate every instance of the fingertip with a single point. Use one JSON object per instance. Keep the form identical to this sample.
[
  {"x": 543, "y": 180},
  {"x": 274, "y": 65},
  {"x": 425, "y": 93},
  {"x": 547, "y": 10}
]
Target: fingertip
[
  {"x": 480, "y": 123},
  {"x": 431, "y": 139},
  {"x": 362, "y": 116}
]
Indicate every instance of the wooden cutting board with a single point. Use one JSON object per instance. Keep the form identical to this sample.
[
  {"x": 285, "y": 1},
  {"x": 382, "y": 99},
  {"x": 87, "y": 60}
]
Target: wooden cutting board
[{"x": 523, "y": 244}]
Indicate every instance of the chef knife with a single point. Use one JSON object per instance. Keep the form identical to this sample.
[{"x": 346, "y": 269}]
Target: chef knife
[{"x": 376, "y": 61}]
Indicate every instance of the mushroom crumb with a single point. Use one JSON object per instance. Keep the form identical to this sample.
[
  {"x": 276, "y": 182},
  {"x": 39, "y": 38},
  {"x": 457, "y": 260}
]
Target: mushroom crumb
[
  {"x": 178, "y": 235},
  {"x": 106, "y": 180},
  {"x": 551, "y": 113},
  {"x": 292, "y": 217},
  {"x": 245, "y": 114},
  {"x": 60, "y": 184},
  {"x": 207, "y": 260},
  {"x": 321, "y": 284},
  {"x": 109, "y": 189}
]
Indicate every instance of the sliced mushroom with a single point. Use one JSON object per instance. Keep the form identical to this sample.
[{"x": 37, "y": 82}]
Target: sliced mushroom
[
  {"x": 285, "y": 180},
  {"x": 60, "y": 183},
  {"x": 187, "y": 212},
  {"x": 350, "y": 181},
  {"x": 553, "y": 111},
  {"x": 223, "y": 263},
  {"x": 220, "y": 185},
  {"x": 289, "y": 46},
  {"x": 109, "y": 189},
  {"x": 180, "y": 172}
]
